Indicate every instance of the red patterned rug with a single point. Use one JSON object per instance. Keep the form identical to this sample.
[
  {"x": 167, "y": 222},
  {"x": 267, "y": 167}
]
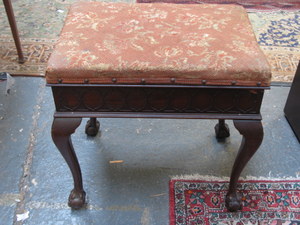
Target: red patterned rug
[
  {"x": 264, "y": 203},
  {"x": 249, "y": 4}
]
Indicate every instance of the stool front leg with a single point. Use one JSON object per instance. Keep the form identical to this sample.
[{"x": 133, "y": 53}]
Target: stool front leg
[
  {"x": 62, "y": 128},
  {"x": 252, "y": 132}
]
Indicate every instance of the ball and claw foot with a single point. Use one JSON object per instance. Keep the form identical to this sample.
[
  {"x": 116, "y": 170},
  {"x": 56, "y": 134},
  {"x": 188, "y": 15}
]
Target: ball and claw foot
[
  {"x": 233, "y": 202},
  {"x": 91, "y": 129},
  {"x": 76, "y": 199},
  {"x": 222, "y": 131}
]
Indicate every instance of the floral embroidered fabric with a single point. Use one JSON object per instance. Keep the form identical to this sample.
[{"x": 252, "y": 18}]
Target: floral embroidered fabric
[{"x": 158, "y": 44}]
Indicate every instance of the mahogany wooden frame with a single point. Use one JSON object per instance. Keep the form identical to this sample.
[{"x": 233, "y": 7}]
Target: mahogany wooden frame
[{"x": 76, "y": 101}]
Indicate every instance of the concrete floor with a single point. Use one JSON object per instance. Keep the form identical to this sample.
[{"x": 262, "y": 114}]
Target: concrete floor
[{"x": 35, "y": 181}]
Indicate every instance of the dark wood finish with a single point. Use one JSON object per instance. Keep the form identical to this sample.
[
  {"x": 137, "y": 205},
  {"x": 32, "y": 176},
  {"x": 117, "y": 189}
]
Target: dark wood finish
[
  {"x": 292, "y": 106},
  {"x": 174, "y": 99},
  {"x": 155, "y": 86},
  {"x": 157, "y": 101},
  {"x": 62, "y": 128},
  {"x": 14, "y": 29},
  {"x": 252, "y": 132},
  {"x": 92, "y": 127},
  {"x": 157, "y": 115},
  {"x": 222, "y": 130}
]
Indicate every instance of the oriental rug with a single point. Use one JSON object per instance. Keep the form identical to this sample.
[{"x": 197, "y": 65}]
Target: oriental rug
[
  {"x": 278, "y": 34},
  {"x": 36, "y": 52},
  {"x": 250, "y": 5},
  {"x": 264, "y": 203}
]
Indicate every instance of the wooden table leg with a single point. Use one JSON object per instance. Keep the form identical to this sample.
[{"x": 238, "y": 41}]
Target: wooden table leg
[
  {"x": 252, "y": 132},
  {"x": 14, "y": 29},
  {"x": 292, "y": 105},
  {"x": 62, "y": 128}
]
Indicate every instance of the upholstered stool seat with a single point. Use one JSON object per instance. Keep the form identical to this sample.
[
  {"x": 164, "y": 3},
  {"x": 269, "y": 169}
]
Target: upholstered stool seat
[
  {"x": 157, "y": 61},
  {"x": 158, "y": 44}
]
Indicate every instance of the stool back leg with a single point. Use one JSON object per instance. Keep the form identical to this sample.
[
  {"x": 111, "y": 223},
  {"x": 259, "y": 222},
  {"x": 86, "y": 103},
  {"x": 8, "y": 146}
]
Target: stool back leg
[
  {"x": 222, "y": 130},
  {"x": 92, "y": 127},
  {"x": 62, "y": 128},
  {"x": 252, "y": 132}
]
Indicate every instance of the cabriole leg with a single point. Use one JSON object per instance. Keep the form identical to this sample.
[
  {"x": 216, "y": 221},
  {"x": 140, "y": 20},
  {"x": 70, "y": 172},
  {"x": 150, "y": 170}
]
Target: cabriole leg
[
  {"x": 62, "y": 128},
  {"x": 252, "y": 132}
]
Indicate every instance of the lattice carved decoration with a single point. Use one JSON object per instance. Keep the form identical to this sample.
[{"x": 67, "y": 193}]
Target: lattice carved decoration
[{"x": 157, "y": 99}]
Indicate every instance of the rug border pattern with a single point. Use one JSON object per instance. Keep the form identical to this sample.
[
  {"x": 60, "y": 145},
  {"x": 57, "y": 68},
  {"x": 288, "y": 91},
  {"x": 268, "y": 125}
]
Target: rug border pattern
[{"x": 184, "y": 184}]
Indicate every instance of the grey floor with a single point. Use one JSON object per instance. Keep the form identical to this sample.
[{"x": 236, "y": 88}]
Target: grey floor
[{"x": 35, "y": 181}]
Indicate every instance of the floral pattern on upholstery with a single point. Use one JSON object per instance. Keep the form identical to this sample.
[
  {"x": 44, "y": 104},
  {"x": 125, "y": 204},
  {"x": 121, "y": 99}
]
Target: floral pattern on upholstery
[{"x": 158, "y": 44}]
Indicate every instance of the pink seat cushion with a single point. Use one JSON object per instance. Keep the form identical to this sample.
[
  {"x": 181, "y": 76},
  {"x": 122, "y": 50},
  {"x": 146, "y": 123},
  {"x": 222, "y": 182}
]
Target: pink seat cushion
[{"x": 103, "y": 43}]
